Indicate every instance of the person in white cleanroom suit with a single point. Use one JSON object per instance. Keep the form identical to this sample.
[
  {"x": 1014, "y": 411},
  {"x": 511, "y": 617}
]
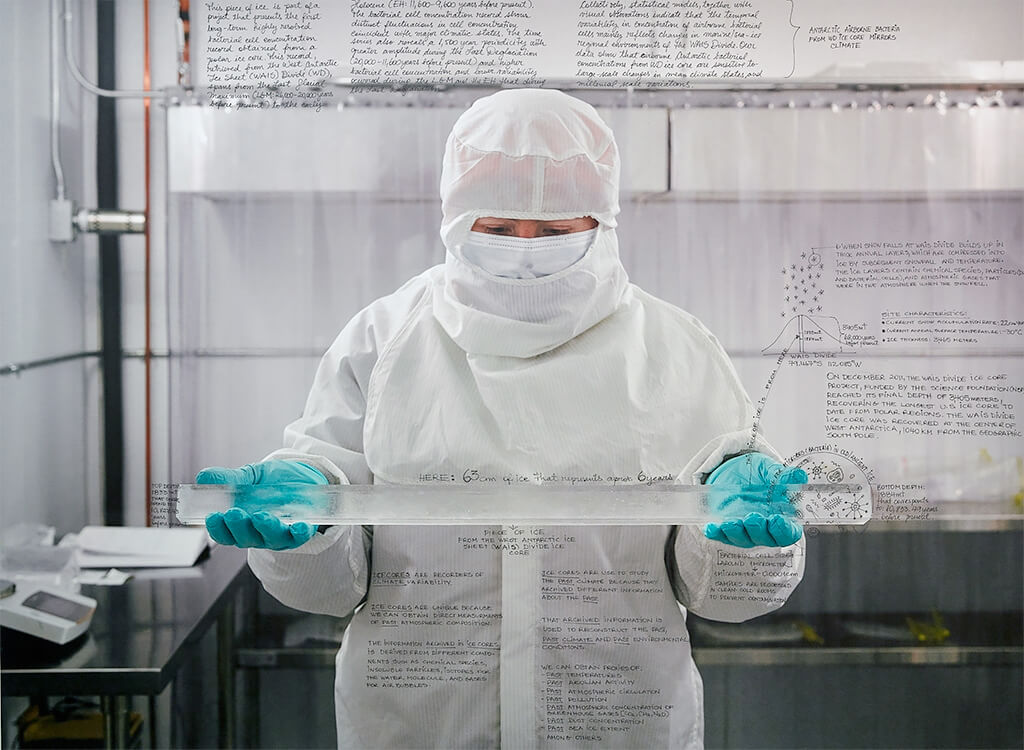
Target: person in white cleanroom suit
[{"x": 526, "y": 354}]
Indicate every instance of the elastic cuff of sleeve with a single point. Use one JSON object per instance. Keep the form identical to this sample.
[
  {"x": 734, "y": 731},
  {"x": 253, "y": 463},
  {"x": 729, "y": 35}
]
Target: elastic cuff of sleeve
[
  {"x": 324, "y": 466},
  {"x": 317, "y": 544}
]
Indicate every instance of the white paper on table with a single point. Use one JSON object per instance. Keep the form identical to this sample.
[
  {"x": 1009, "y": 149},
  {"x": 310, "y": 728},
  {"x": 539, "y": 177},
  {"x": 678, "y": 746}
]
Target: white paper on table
[
  {"x": 98, "y": 577},
  {"x": 140, "y": 547}
]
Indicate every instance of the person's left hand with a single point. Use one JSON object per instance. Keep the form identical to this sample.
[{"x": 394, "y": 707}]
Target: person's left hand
[{"x": 759, "y": 505}]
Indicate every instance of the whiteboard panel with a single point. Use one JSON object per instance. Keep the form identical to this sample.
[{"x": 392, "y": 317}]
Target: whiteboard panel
[
  {"x": 392, "y": 151},
  {"x": 603, "y": 43},
  {"x": 720, "y": 150},
  {"x": 880, "y": 338}
]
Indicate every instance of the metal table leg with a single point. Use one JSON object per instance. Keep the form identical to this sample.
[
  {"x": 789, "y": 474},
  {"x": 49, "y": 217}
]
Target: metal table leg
[
  {"x": 152, "y": 722},
  {"x": 115, "y": 720},
  {"x": 226, "y": 676},
  {"x": 248, "y": 679}
]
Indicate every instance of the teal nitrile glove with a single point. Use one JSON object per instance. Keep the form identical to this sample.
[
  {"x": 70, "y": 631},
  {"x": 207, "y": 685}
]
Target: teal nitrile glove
[
  {"x": 760, "y": 502},
  {"x": 261, "y": 530}
]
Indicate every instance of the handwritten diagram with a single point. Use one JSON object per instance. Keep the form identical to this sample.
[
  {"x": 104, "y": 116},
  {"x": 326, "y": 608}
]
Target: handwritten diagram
[
  {"x": 828, "y": 464},
  {"x": 807, "y": 329}
]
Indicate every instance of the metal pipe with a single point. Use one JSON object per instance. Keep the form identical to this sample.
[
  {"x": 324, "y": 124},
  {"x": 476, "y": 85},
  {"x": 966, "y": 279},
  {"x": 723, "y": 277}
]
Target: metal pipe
[
  {"x": 147, "y": 265},
  {"x": 107, "y": 178},
  {"x": 696, "y": 85},
  {"x": 16, "y": 368},
  {"x": 184, "y": 68},
  {"x": 110, "y": 222},
  {"x": 58, "y": 169},
  {"x": 69, "y": 58}
]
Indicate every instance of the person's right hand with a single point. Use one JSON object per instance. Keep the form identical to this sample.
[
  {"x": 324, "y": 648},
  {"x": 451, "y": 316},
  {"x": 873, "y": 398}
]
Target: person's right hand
[
  {"x": 262, "y": 530},
  {"x": 760, "y": 512}
]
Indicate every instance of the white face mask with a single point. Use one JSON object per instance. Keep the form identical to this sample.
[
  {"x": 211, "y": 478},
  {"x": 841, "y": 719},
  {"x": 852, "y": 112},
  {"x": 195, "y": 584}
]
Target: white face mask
[{"x": 526, "y": 257}]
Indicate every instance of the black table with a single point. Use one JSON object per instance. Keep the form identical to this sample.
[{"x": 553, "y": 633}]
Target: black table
[{"x": 141, "y": 634}]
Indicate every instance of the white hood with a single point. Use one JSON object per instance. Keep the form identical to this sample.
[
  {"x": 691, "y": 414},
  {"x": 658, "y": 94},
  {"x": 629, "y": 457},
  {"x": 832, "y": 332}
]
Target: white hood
[{"x": 528, "y": 154}]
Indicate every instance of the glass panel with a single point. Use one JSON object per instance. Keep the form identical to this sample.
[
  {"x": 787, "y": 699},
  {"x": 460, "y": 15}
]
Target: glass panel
[{"x": 845, "y": 215}]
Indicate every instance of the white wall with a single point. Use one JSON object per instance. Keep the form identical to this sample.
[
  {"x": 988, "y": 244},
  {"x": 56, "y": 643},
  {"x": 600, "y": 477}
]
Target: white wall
[
  {"x": 46, "y": 439},
  {"x": 50, "y": 292},
  {"x": 51, "y": 459},
  {"x": 43, "y": 427}
]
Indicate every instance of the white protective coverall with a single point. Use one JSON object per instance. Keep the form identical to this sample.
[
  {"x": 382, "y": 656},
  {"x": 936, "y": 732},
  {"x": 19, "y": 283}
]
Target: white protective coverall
[{"x": 512, "y": 636}]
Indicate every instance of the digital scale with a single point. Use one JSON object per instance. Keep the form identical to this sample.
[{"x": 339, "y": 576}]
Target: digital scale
[{"x": 44, "y": 612}]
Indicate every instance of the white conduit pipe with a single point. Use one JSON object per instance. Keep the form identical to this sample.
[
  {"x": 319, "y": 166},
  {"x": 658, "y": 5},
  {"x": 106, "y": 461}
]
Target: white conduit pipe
[{"x": 87, "y": 85}]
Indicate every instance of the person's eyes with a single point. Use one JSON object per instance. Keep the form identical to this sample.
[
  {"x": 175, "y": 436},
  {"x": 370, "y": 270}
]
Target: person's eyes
[
  {"x": 556, "y": 230},
  {"x": 497, "y": 229}
]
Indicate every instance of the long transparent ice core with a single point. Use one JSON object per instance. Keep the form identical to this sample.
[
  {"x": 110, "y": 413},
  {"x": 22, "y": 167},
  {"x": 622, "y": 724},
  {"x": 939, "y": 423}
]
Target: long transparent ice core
[{"x": 565, "y": 505}]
